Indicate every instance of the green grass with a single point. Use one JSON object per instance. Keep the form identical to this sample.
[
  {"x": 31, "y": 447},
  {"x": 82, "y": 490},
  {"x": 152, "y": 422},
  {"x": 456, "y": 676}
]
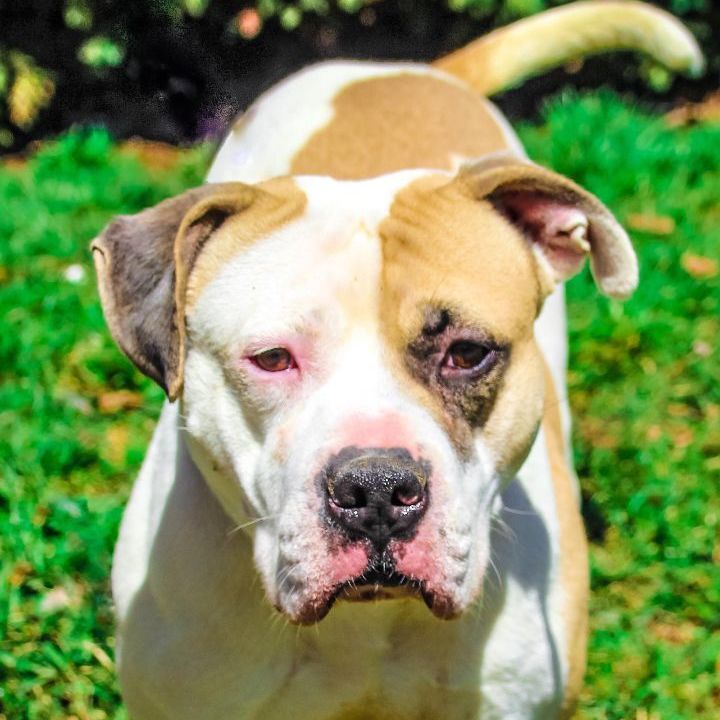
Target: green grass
[{"x": 644, "y": 383}]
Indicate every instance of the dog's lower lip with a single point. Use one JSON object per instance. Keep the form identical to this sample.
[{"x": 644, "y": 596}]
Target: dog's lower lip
[
  {"x": 352, "y": 591},
  {"x": 379, "y": 585}
]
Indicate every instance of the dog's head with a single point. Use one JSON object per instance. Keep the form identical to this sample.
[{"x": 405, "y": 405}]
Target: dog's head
[{"x": 356, "y": 361}]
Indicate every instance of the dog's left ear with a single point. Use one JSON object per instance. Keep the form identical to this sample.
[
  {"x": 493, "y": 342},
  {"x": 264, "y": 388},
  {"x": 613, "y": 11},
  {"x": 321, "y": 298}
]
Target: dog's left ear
[
  {"x": 563, "y": 222},
  {"x": 143, "y": 262}
]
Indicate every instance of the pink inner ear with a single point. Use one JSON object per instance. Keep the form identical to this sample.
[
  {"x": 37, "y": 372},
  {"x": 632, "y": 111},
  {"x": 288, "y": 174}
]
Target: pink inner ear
[{"x": 558, "y": 229}]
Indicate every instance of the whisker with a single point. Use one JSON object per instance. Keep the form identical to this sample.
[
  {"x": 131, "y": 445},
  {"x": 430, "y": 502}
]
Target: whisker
[
  {"x": 513, "y": 511},
  {"x": 504, "y": 530},
  {"x": 496, "y": 571},
  {"x": 254, "y": 521}
]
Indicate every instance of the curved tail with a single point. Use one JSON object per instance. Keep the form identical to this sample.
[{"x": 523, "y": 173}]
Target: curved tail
[{"x": 510, "y": 54}]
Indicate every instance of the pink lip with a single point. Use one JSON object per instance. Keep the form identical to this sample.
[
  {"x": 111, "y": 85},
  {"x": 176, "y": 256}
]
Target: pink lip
[
  {"x": 416, "y": 558},
  {"x": 347, "y": 562},
  {"x": 319, "y": 604},
  {"x": 348, "y": 577}
]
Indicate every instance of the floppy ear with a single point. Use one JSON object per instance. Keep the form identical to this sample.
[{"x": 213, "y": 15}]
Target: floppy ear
[
  {"x": 142, "y": 263},
  {"x": 563, "y": 222}
]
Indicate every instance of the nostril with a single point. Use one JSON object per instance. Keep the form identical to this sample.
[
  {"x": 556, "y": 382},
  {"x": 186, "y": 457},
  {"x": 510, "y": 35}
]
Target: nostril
[
  {"x": 349, "y": 496},
  {"x": 406, "y": 495},
  {"x": 376, "y": 495}
]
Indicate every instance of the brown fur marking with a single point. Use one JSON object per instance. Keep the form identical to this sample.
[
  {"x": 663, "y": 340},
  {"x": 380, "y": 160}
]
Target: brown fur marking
[
  {"x": 151, "y": 266},
  {"x": 136, "y": 277},
  {"x": 444, "y": 248},
  {"x": 403, "y": 121},
  {"x": 573, "y": 549},
  {"x": 470, "y": 398}
]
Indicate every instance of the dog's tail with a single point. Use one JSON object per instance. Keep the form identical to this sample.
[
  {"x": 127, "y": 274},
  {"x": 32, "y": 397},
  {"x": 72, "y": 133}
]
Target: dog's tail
[{"x": 510, "y": 54}]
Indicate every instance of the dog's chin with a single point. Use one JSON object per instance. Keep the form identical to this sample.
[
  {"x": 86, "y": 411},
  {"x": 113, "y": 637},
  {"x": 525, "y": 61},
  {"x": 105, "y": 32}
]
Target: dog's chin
[{"x": 371, "y": 587}]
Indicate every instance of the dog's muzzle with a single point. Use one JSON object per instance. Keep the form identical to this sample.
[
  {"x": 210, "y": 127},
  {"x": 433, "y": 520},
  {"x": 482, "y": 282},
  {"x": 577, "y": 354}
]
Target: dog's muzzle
[{"x": 376, "y": 494}]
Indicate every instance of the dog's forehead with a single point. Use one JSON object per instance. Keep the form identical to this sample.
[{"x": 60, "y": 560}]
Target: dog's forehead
[
  {"x": 374, "y": 252},
  {"x": 325, "y": 257}
]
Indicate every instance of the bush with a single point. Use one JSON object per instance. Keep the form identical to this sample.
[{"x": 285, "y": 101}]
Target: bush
[{"x": 177, "y": 70}]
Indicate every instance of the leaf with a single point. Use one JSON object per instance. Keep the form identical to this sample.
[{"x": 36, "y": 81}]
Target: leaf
[
  {"x": 249, "y": 23},
  {"x": 116, "y": 440},
  {"x": 653, "y": 224},
  {"x": 19, "y": 572},
  {"x": 101, "y": 52},
  {"x": 673, "y": 633},
  {"x": 708, "y": 110},
  {"x": 32, "y": 90},
  {"x": 698, "y": 266},
  {"x": 195, "y": 8},
  {"x": 99, "y": 654},
  {"x": 112, "y": 402}
]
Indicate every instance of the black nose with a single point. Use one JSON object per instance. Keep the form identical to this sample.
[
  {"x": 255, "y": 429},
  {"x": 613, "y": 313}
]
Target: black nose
[{"x": 376, "y": 494}]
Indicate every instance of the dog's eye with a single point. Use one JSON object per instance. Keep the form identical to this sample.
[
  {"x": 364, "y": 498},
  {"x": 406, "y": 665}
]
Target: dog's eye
[
  {"x": 466, "y": 355},
  {"x": 274, "y": 360}
]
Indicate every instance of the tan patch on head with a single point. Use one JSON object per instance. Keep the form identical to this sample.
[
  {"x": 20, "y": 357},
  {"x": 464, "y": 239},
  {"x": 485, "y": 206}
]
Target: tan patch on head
[
  {"x": 573, "y": 550},
  {"x": 404, "y": 121},
  {"x": 444, "y": 249},
  {"x": 441, "y": 245},
  {"x": 273, "y": 204}
]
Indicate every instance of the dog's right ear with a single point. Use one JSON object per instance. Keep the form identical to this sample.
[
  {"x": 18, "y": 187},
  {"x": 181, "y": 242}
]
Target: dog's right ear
[
  {"x": 563, "y": 223},
  {"x": 142, "y": 263}
]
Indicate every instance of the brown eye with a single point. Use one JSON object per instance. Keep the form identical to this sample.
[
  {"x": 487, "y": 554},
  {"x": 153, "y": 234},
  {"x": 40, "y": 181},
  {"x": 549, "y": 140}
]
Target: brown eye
[
  {"x": 274, "y": 360},
  {"x": 465, "y": 355}
]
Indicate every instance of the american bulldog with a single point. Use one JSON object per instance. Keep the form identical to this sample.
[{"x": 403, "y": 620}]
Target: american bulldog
[{"x": 358, "y": 502}]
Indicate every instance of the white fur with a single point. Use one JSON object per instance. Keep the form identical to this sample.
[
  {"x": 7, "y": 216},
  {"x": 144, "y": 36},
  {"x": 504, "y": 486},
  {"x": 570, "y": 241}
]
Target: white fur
[{"x": 223, "y": 515}]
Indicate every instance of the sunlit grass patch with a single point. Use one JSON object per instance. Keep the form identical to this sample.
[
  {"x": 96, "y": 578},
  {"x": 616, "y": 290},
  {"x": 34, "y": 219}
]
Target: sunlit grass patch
[{"x": 644, "y": 384}]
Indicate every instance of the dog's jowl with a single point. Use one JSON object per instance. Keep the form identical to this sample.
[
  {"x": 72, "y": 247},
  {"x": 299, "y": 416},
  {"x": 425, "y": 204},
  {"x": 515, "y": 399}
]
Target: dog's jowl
[{"x": 357, "y": 502}]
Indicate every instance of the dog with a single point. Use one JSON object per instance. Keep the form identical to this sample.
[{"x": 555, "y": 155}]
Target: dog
[{"x": 359, "y": 502}]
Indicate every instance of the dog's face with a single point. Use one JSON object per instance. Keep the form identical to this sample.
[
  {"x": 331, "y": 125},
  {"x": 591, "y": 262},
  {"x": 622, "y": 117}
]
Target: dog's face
[{"x": 356, "y": 360}]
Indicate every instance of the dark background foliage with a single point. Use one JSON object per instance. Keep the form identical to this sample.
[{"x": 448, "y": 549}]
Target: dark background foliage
[{"x": 177, "y": 70}]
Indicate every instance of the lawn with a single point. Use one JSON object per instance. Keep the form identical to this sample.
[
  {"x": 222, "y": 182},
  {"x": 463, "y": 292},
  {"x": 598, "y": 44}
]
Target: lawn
[{"x": 644, "y": 385}]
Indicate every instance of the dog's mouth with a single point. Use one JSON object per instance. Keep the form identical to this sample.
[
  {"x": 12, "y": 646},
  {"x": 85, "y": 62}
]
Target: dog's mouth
[
  {"x": 373, "y": 586},
  {"x": 388, "y": 584},
  {"x": 378, "y": 584}
]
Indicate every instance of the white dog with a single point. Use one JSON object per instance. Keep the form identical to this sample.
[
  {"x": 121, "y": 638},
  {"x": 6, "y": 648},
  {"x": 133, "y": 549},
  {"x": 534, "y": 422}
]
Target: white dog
[{"x": 360, "y": 322}]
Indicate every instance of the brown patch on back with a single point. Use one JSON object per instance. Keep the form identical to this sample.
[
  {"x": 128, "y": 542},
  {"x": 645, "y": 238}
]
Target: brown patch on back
[
  {"x": 404, "y": 121},
  {"x": 574, "y": 576},
  {"x": 275, "y": 203}
]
